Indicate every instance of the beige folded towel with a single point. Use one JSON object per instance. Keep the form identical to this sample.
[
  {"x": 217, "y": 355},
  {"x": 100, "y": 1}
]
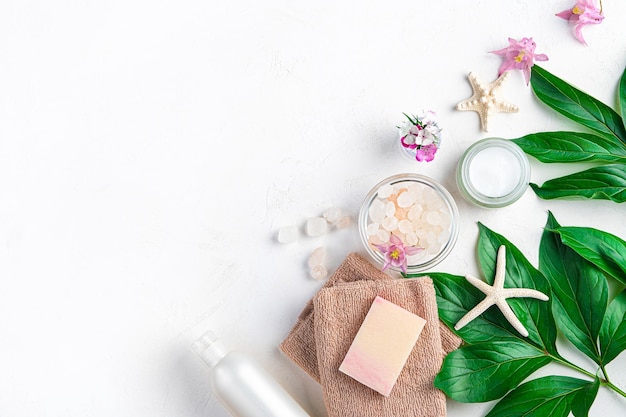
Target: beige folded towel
[
  {"x": 299, "y": 345},
  {"x": 339, "y": 313}
]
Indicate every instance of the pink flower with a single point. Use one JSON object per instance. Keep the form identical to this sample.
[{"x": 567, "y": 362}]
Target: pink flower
[
  {"x": 395, "y": 253},
  {"x": 422, "y": 135},
  {"x": 426, "y": 153},
  {"x": 585, "y": 12},
  {"x": 519, "y": 55}
]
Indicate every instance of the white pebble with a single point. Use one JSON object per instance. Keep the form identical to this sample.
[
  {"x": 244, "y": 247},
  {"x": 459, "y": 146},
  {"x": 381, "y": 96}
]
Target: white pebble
[
  {"x": 343, "y": 223},
  {"x": 317, "y": 257},
  {"x": 332, "y": 214},
  {"x": 287, "y": 234},
  {"x": 319, "y": 272},
  {"x": 316, "y": 226}
]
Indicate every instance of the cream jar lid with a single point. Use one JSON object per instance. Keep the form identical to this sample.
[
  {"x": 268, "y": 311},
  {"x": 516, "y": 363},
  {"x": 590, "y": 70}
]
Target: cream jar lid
[{"x": 492, "y": 173}]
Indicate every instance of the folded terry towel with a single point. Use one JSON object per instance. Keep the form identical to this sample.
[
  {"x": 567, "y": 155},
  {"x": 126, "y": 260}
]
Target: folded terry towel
[
  {"x": 339, "y": 313},
  {"x": 299, "y": 345}
]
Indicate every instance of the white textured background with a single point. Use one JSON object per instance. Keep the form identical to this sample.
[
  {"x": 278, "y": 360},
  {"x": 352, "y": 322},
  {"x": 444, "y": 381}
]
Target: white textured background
[{"x": 150, "y": 150}]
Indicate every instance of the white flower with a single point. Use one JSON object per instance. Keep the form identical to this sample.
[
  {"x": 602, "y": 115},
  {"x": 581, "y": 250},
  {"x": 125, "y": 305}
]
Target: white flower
[{"x": 406, "y": 128}]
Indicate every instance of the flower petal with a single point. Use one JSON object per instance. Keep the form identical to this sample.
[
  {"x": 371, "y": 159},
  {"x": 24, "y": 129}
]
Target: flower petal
[
  {"x": 579, "y": 34},
  {"x": 395, "y": 240},
  {"x": 412, "y": 250}
]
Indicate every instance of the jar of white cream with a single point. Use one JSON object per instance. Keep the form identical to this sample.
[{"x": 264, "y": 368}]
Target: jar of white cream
[{"x": 492, "y": 173}]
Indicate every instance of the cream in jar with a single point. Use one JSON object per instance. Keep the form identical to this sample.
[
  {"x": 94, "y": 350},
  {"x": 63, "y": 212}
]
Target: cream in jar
[{"x": 493, "y": 173}]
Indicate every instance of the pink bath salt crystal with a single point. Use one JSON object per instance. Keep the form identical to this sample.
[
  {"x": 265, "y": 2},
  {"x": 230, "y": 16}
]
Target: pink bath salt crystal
[
  {"x": 382, "y": 345},
  {"x": 343, "y": 223},
  {"x": 318, "y": 272}
]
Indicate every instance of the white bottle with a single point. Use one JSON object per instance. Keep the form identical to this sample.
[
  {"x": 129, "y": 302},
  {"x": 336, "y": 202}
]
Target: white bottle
[{"x": 243, "y": 387}]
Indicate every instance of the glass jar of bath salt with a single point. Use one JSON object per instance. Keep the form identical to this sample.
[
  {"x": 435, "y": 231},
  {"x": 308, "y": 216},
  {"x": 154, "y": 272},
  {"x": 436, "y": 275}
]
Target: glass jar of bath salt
[
  {"x": 493, "y": 173},
  {"x": 417, "y": 210}
]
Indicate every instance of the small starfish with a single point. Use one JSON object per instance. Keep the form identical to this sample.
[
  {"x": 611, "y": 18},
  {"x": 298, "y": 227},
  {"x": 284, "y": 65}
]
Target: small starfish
[
  {"x": 497, "y": 295},
  {"x": 487, "y": 99}
]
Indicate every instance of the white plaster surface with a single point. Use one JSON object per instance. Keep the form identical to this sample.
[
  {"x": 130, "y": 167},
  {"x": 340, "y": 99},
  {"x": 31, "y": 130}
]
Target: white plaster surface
[{"x": 150, "y": 151}]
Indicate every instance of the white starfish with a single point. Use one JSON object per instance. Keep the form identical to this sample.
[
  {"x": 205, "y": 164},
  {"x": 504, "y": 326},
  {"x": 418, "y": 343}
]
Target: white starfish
[
  {"x": 497, "y": 295},
  {"x": 487, "y": 99}
]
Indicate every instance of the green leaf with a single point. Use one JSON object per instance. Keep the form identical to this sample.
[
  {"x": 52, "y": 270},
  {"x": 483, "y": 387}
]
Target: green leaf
[
  {"x": 505, "y": 364},
  {"x": 580, "y": 291},
  {"x": 576, "y": 105},
  {"x": 552, "y": 147},
  {"x": 621, "y": 103},
  {"x": 581, "y": 403},
  {"x": 550, "y": 396},
  {"x": 604, "y": 250},
  {"x": 607, "y": 182},
  {"x": 534, "y": 314},
  {"x": 613, "y": 331}
]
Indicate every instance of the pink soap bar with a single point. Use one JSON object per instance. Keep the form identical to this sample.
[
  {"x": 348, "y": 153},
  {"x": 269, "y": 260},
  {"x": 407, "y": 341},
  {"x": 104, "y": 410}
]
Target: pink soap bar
[{"x": 382, "y": 345}]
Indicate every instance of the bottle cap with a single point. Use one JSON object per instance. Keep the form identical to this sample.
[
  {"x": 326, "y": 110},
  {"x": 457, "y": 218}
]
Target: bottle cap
[{"x": 209, "y": 349}]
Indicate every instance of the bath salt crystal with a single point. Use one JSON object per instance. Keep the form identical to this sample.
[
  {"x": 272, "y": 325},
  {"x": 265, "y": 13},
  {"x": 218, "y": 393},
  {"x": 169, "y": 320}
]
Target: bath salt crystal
[
  {"x": 382, "y": 345},
  {"x": 406, "y": 199},
  {"x": 415, "y": 211},
  {"x": 317, "y": 257},
  {"x": 405, "y": 226},
  {"x": 433, "y": 217},
  {"x": 372, "y": 229},
  {"x": 385, "y": 191},
  {"x": 332, "y": 214},
  {"x": 435, "y": 205},
  {"x": 377, "y": 211},
  {"x": 390, "y": 224},
  {"x": 430, "y": 243},
  {"x": 343, "y": 223},
  {"x": 416, "y": 189},
  {"x": 401, "y": 213},
  {"x": 390, "y": 209},
  {"x": 445, "y": 219},
  {"x": 430, "y": 196},
  {"x": 287, "y": 234},
  {"x": 411, "y": 239},
  {"x": 443, "y": 236},
  {"x": 319, "y": 272},
  {"x": 417, "y": 258},
  {"x": 383, "y": 235},
  {"x": 316, "y": 226}
]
